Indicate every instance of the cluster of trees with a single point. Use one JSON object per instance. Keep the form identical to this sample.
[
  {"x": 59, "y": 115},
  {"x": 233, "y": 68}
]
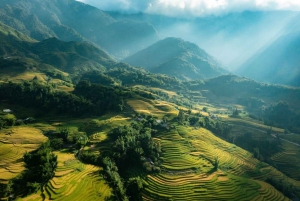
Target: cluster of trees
[
  {"x": 40, "y": 166},
  {"x": 252, "y": 104},
  {"x": 44, "y": 97},
  {"x": 263, "y": 148},
  {"x": 133, "y": 147},
  {"x": 281, "y": 115},
  {"x": 7, "y": 120},
  {"x": 103, "y": 98},
  {"x": 129, "y": 75},
  {"x": 86, "y": 99},
  {"x": 286, "y": 188},
  {"x": 62, "y": 136},
  {"x": 197, "y": 120}
]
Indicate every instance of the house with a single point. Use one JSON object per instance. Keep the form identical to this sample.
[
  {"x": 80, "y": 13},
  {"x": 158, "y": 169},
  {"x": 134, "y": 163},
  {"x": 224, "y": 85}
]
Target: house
[
  {"x": 159, "y": 121},
  {"x": 7, "y": 110}
]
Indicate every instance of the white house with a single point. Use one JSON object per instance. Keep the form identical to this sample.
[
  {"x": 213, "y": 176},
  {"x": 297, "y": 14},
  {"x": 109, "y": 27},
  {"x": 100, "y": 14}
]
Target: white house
[{"x": 7, "y": 110}]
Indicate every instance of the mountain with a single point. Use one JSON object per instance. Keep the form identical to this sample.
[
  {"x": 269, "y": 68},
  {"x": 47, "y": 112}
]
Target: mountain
[
  {"x": 22, "y": 57},
  {"x": 179, "y": 58},
  {"x": 70, "y": 20},
  {"x": 72, "y": 57},
  {"x": 231, "y": 38},
  {"x": 278, "y": 63},
  {"x": 8, "y": 34}
]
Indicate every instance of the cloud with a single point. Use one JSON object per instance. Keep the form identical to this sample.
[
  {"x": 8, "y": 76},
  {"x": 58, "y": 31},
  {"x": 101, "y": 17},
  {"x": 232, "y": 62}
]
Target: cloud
[{"x": 193, "y": 7}]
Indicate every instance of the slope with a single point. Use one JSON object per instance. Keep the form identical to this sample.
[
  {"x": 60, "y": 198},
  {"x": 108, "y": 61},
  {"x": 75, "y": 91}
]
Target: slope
[
  {"x": 72, "y": 57},
  {"x": 279, "y": 63},
  {"x": 176, "y": 57},
  {"x": 231, "y": 87},
  {"x": 70, "y": 20}
]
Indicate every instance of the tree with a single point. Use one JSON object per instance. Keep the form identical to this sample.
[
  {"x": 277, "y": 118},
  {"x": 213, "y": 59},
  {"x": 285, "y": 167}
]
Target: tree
[
  {"x": 216, "y": 163},
  {"x": 235, "y": 112},
  {"x": 64, "y": 133},
  {"x": 56, "y": 143},
  {"x": 181, "y": 116},
  {"x": 134, "y": 188},
  {"x": 41, "y": 164}
]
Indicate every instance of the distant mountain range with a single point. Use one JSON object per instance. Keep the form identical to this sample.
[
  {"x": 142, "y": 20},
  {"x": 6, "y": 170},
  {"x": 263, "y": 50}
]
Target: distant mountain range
[
  {"x": 278, "y": 63},
  {"x": 72, "y": 57},
  {"x": 179, "y": 58},
  {"x": 111, "y": 37},
  {"x": 70, "y": 20}
]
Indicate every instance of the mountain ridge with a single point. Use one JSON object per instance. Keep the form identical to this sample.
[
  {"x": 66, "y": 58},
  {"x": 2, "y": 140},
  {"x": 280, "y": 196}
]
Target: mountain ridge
[
  {"x": 70, "y": 20},
  {"x": 172, "y": 56},
  {"x": 278, "y": 63}
]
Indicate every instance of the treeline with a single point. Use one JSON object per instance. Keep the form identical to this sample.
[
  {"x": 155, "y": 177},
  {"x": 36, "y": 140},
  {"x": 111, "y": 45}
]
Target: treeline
[
  {"x": 126, "y": 75},
  {"x": 87, "y": 98},
  {"x": 262, "y": 148},
  {"x": 287, "y": 189},
  {"x": 197, "y": 120},
  {"x": 281, "y": 115},
  {"x": 278, "y": 114}
]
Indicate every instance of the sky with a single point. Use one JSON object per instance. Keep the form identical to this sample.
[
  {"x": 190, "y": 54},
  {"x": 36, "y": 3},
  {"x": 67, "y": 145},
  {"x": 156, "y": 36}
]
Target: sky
[{"x": 192, "y": 8}]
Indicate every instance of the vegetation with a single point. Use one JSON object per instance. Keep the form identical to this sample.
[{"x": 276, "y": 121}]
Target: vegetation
[
  {"x": 87, "y": 98},
  {"x": 117, "y": 132},
  {"x": 40, "y": 166}
]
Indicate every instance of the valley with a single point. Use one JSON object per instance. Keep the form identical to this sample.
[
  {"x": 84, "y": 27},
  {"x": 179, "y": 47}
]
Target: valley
[{"x": 102, "y": 105}]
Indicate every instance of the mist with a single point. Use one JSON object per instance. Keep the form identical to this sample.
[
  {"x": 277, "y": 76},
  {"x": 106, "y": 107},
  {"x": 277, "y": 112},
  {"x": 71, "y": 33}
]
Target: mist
[
  {"x": 193, "y": 8},
  {"x": 234, "y": 38}
]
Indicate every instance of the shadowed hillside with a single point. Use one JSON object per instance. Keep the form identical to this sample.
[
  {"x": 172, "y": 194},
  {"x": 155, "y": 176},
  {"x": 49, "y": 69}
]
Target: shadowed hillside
[
  {"x": 279, "y": 63},
  {"x": 70, "y": 20},
  {"x": 176, "y": 57}
]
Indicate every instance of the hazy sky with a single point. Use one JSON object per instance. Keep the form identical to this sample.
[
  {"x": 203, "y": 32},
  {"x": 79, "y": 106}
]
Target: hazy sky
[{"x": 191, "y": 8}]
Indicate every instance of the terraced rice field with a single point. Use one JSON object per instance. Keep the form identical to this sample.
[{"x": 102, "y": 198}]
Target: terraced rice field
[
  {"x": 158, "y": 109},
  {"x": 13, "y": 144},
  {"x": 188, "y": 171},
  {"x": 291, "y": 137},
  {"x": 250, "y": 123},
  {"x": 74, "y": 181},
  {"x": 103, "y": 125},
  {"x": 288, "y": 160},
  {"x": 29, "y": 76}
]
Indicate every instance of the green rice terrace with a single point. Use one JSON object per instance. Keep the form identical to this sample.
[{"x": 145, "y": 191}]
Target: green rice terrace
[{"x": 191, "y": 163}]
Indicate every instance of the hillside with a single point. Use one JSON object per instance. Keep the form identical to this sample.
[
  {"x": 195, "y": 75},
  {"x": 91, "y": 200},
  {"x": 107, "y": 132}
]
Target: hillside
[
  {"x": 190, "y": 162},
  {"x": 71, "y": 57},
  {"x": 23, "y": 58},
  {"x": 176, "y": 57},
  {"x": 232, "y": 87},
  {"x": 77, "y": 125},
  {"x": 279, "y": 63},
  {"x": 71, "y": 20}
]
